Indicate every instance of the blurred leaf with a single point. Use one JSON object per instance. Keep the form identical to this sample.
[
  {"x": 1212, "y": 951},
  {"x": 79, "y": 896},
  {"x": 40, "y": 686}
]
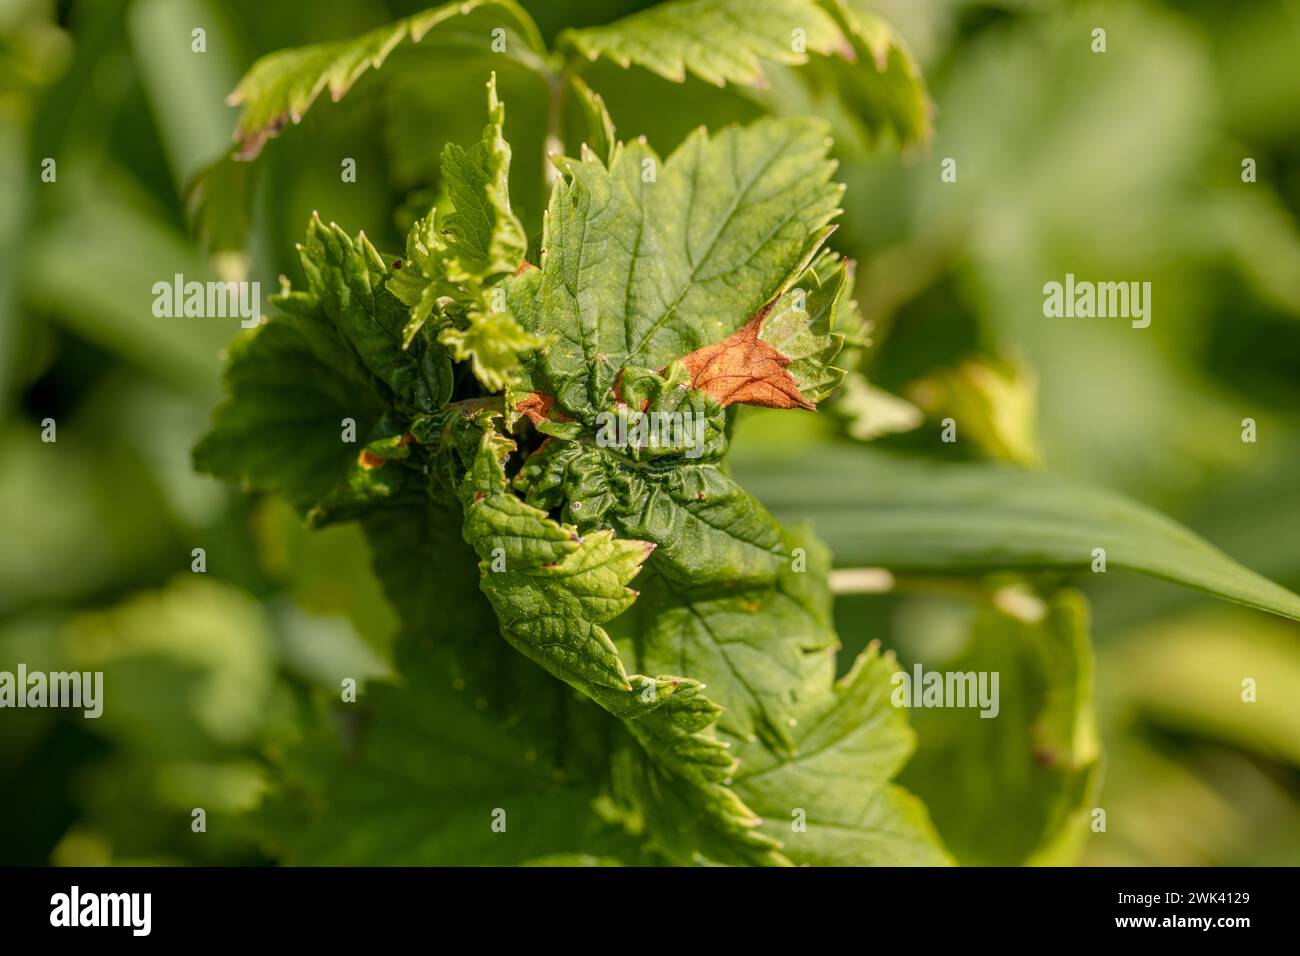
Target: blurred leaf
[
  {"x": 186, "y": 669},
  {"x": 872, "y": 412},
  {"x": 13, "y": 227},
  {"x": 909, "y": 516},
  {"x": 880, "y": 84},
  {"x": 283, "y": 85},
  {"x": 93, "y": 265},
  {"x": 1195, "y": 778},
  {"x": 76, "y": 516},
  {"x": 423, "y": 783},
  {"x": 1191, "y": 806},
  {"x": 1186, "y": 673},
  {"x": 218, "y": 201},
  {"x": 1017, "y": 787},
  {"x": 184, "y": 88},
  {"x": 326, "y": 572},
  {"x": 861, "y": 58},
  {"x": 993, "y": 403}
]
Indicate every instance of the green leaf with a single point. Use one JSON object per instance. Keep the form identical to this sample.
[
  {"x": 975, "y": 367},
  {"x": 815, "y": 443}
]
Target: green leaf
[
  {"x": 347, "y": 276},
  {"x": 799, "y": 326},
  {"x": 449, "y": 272},
  {"x": 552, "y": 589},
  {"x": 882, "y": 86},
  {"x": 283, "y": 85},
  {"x": 860, "y": 59},
  {"x": 425, "y": 775},
  {"x": 414, "y": 773},
  {"x": 879, "y": 511},
  {"x": 647, "y": 261},
  {"x": 492, "y": 342},
  {"x": 333, "y": 354},
  {"x": 719, "y": 41},
  {"x": 849, "y": 743},
  {"x": 1041, "y": 747},
  {"x": 281, "y": 428},
  {"x": 483, "y": 237},
  {"x": 598, "y": 134},
  {"x": 706, "y": 242}
]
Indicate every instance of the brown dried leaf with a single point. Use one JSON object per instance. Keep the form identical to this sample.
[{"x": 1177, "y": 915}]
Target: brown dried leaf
[
  {"x": 743, "y": 368},
  {"x": 539, "y": 408}
]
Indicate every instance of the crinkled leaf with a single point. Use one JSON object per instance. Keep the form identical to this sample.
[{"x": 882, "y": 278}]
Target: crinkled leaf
[
  {"x": 552, "y": 589},
  {"x": 450, "y": 271},
  {"x": 649, "y": 260},
  {"x": 332, "y": 354},
  {"x": 420, "y": 278},
  {"x": 483, "y": 237},
  {"x": 732, "y": 598},
  {"x": 799, "y": 327},
  {"x": 492, "y": 342}
]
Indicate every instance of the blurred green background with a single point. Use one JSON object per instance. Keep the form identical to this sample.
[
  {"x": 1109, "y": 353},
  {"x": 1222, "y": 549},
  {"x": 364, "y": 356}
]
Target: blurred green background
[{"x": 1125, "y": 165}]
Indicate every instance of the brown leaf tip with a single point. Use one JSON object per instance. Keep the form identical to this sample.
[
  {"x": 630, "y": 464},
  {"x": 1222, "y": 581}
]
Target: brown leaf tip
[{"x": 743, "y": 368}]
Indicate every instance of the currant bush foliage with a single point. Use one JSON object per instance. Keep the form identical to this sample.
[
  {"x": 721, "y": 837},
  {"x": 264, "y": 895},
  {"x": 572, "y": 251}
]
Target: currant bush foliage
[
  {"x": 711, "y": 686},
  {"x": 614, "y": 652}
]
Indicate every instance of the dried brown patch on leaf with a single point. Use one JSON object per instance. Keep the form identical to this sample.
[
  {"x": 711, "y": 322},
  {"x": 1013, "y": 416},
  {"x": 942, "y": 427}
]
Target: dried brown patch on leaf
[
  {"x": 539, "y": 408},
  {"x": 743, "y": 368}
]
